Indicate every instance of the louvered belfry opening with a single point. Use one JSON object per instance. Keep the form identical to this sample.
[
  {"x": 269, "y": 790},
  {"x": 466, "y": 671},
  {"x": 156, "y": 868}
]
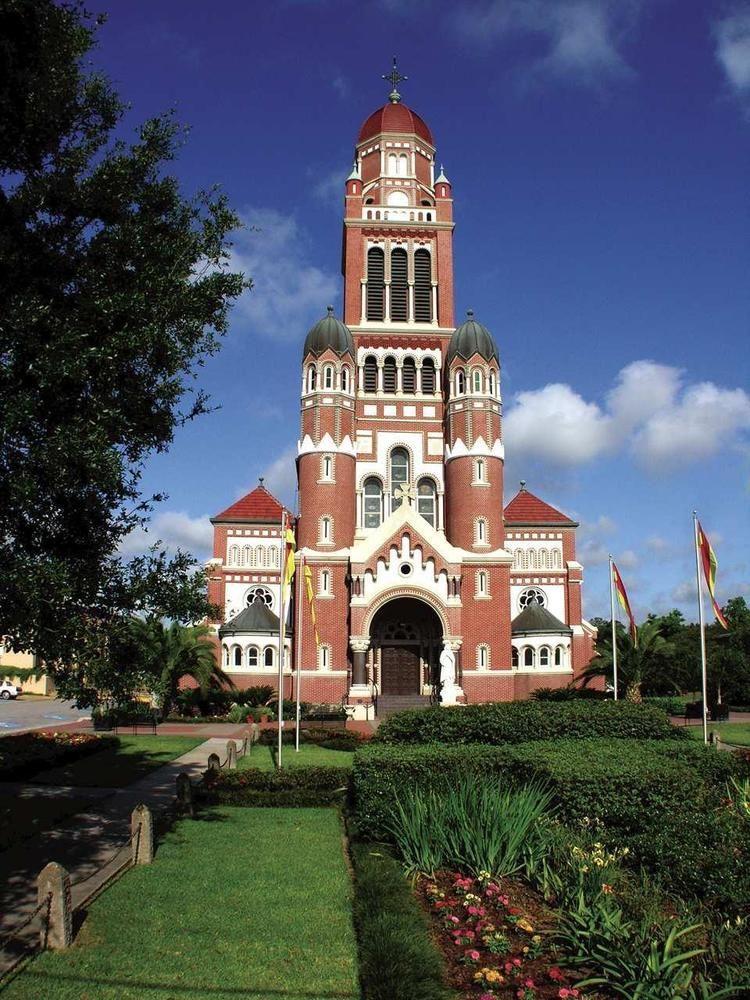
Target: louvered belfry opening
[
  {"x": 375, "y": 284},
  {"x": 371, "y": 374},
  {"x": 428, "y": 375},
  {"x": 399, "y": 286},
  {"x": 389, "y": 375},
  {"x": 422, "y": 286},
  {"x": 409, "y": 375}
]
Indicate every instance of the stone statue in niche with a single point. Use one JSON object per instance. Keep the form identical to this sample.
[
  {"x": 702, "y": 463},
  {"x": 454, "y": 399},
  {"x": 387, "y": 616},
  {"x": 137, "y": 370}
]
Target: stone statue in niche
[{"x": 448, "y": 688}]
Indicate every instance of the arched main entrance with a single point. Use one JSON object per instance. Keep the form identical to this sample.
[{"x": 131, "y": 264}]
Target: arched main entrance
[{"x": 406, "y": 637}]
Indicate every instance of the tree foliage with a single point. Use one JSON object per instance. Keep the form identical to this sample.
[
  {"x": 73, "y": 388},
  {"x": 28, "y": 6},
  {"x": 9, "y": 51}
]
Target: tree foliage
[{"x": 114, "y": 290}]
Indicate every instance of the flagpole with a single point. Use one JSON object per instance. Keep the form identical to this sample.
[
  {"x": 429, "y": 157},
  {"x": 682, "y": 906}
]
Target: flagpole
[
  {"x": 298, "y": 642},
  {"x": 282, "y": 573},
  {"x": 614, "y": 623},
  {"x": 704, "y": 684}
]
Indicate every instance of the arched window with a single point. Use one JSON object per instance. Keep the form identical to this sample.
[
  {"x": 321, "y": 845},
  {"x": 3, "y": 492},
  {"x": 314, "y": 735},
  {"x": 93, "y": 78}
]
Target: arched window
[
  {"x": 399, "y": 286},
  {"x": 481, "y": 583},
  {"x": 492, "y": 384},
  {"x": 559, "y": 656},
  {"x": 399, "y": 474},
  {"x": 483, "y": 657},
  {"x": 518, "y": 560},
  {"x": 312, "y": 378},
  {"x": 273, "y": 555},
  {"x": 555, "y": 560},
  {"x": 480, "y": 469},
  {"x": 409, "y": 376},
  {"x": 531, "y": 558},
  {"x": 399, "y": 199},
  {"x": 389, "y": 374},
  {"x": 345, "y": 379},
  {"x": 392, "y": 164},
  {"x": 514, "y": 657},
  {"x": 422, "y": 286},
  {"x": 326, "y": 467},
  {"x": 371, "y": 374},
  {"x": 528, "y": 657},
  {"x": 326, "y": 529},
  {"x": 324, "y": 657},
  {"x": 426, "y": 501},
  {"x": 226, "y": 656},
  {"x": 375, "y": 283},
  {"x": 328, "y": 377},
  {"x": 544, "y": 656},
  {"x": 260, "y": 556},
  {"x": 268, "y": 656},
  {"x": 477, "y": 380},
  {"x": 252, "y": 656},
  {"x": 543, "y": 559},
  {"x": 373, "y": 503},
  {"x": 234, "y": 555},
  {"x": 460, "y": 382},
  {"x": 238, "y": 656},
  {"x": 480, "y": 531},
  {"x": 428, "y": 375},
  {"x": 325, "y": 581},
  {"x": 532, "y": 595},
  {"x": 403, "y": 165},
  {"x": 247, "y": 555}
]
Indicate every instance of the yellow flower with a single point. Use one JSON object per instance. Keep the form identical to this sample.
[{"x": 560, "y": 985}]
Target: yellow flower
[
  {"x": 537, "y": 938},
  {"x": 525, "y": 925}
]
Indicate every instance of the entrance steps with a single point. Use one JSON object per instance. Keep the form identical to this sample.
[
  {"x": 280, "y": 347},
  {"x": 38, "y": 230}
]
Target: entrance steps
[{"x": 390, "y": 703}]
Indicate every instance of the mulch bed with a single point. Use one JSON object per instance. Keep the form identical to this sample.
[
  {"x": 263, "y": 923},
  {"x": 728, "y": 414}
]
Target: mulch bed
[{"x": 495, "y": 937}]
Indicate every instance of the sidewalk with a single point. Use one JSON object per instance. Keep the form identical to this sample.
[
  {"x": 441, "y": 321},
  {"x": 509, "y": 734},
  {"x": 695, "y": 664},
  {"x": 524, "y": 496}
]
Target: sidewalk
[{"x": 87, "y": 840}]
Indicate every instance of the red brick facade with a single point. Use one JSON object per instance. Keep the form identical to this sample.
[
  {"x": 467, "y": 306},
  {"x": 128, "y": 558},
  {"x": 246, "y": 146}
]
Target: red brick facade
[{"x": 400, "y": 472}]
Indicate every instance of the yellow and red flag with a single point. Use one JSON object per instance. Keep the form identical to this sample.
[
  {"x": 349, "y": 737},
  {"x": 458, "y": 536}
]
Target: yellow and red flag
[
  {"x": 311, "y": 601},
  {"x": 622, "y": 597},
  {"x": 710, "y": 563},
  {"x": 289, "y": 547}
]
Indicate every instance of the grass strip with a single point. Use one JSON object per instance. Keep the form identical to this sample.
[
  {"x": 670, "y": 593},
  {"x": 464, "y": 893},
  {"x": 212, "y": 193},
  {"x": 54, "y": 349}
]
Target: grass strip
[
  {"x": 737, "y": 733},
  {"x": 250, "y": 903},
  {"x": 264, "y": 757},
  {"x": 130, "y": 758},
  {"x": 398, "y": 959}
]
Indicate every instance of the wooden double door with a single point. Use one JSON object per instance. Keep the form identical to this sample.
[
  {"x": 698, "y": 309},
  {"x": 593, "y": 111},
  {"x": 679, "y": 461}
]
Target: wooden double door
[{"x": 400, "y": 669}]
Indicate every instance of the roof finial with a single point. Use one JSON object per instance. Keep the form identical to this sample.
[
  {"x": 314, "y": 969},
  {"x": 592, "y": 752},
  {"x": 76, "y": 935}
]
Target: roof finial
[
  {"x": 394, "y": 78},
  {"x": 260, "y": 480},
  {"x": 523, "y": 485},
  {"x": 470, "y": 314},
  {"x": 330, "y": 310}
]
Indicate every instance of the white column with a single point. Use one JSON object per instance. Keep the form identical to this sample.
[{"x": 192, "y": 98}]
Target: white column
[
  {"x": 380, "y": 374},
  {"x": 411, "y": 303},
  {"x": 364, "y": 302},
  {"x": 399, "y": 376}
]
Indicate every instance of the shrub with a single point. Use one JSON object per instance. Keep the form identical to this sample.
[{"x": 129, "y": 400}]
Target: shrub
[
  {"x": 671, "y": 704},
  {"x": 304, "y": 786},
  {"x": 523, "y": 721},
  {"x": 330, "y": 739},
  {"x": 569, "y": 693},
  {"x": 28, "y": 753},
  {"x": 397, "y": 958}
]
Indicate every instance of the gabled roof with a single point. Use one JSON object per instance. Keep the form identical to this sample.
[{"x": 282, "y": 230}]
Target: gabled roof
[
  {"x": 256, "y": 617},
  {"x": 534, "y": 619},
  {"x": 258, "y": 505},
  {"x": 525, "y": 508}
]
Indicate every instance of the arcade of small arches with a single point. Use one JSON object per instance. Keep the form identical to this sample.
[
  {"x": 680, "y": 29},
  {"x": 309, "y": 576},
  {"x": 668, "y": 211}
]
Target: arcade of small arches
[
  {"x": 254, "y": 556},
  {"x": 407, "y": 375},
  {"x": 327, "y": 377},
  {"x": 530, "y": 657},
  {"x": 477, "y": 381},
  {"x": 252, "y": 657}
]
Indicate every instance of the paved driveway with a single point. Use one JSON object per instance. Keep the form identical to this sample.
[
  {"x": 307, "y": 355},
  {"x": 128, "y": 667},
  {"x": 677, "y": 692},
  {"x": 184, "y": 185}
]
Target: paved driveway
[{"x": 37, "y": 713}]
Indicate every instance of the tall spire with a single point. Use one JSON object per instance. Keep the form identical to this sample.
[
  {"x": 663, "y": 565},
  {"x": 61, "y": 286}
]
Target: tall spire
[{"x": 394, "y": 78}]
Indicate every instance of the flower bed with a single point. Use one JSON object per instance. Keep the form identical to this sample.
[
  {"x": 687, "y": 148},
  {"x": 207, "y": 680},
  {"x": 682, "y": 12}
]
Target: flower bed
[
  {"x": 27, "y": 753},
  {"x": 495, "y": 938}
]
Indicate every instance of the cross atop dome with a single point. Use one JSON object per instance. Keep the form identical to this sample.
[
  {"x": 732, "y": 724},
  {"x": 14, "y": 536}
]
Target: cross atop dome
[{"x": 394, "y": 78}]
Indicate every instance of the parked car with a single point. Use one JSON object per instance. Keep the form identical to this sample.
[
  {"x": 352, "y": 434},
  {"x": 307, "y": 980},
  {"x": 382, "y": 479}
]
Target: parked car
[{"x": 8, "y": 690}]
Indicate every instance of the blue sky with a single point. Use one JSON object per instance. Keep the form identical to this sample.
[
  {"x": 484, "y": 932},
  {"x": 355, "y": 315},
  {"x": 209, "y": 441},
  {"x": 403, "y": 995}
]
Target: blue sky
[{"x": 599, "y": 152}]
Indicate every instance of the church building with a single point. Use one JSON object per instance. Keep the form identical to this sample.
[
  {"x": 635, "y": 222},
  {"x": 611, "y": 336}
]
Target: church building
[{"x": 425, "y": 584}]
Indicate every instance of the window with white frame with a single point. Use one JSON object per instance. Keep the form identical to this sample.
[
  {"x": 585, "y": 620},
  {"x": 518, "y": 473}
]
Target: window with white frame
[
  {"x": 528, "y": 656},
  {"x": 532, "y": 595},
  {"x": 252, "y": 656},
  {"x": 325, "y": 583},
  {"x": 514, "y": 657},
  {"x": 460, "y": 382},
  {"x": 480, "y": 470},
  {"x": 325, "y": 533},
  {"x": 324, "y": 657},
  {"x": 234, "y": 555},
  {"x": 262, "y": 594},
  {"x": 483, "y": 657},
  {"x": 328, "y": 377},
  {"x": 544, "y": 656},
  {"x": 477, "y": 380},
  {"x": 226, "y": 656},
  {"x": 399, "y": 469},
  {"x": 345, "y": 379},
  {"x": 373, "y": 503},
  {"x": 268, "y": 656},
  {"x": 237, "y": 656},
  {"x": 326, "y": 468},
  {"x": 482, "y": 590},
  {"x": 492, "y": 384},
  {"x": 312, "y": 378},
  {"x": 559, "y": 656},
  {"x": 480, "y": 531},
  {"x": 427, "y": 500}
]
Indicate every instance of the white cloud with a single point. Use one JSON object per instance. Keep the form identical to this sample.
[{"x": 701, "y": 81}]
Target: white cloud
[
  {"x": 341, "y": 85},
  {"x": 581, "y": 38},
  {"x": 627, "y": 559},
  {"x": 330, "y": 188},
  {"x": 649, "y": 411},
  {"x": 732, "y": 34},
  {"x": 592, "y": 549},
  {"x": 175, "y": 529},
  {"x": 289, "y": 294}
]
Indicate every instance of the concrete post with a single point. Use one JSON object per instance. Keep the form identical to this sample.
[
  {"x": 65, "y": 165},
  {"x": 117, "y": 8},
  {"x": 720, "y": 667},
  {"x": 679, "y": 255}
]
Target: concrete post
[
  {"x": 184, "y": 794},
  {"x": 142, "y": 830},
  {"x": 231, "y": 755},
  {"x": 53, "y": 890}
]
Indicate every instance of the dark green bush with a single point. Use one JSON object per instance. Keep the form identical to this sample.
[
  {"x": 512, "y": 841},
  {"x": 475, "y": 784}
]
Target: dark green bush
[
  {"x": 569, "y": 693},
  {"x": 304, "y": 786},
  {"x": 397, "y": 957},
  {"x": 671, "y": 704},
  {"x": 523, "y": 721},
  {"x": 331, "y": 739}
]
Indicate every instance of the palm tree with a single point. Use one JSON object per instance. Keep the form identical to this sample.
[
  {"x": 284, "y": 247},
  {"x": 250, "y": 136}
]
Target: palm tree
[
  {"x": 635, "y": 662},
  {"x": 171, "y": 652}
]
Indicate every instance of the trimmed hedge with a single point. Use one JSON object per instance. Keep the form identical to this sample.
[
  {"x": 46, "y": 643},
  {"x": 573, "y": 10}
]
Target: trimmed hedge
[
  {"x": 625, "y": 784},
  {"x": 398, "y": 959},
  {"x": 523, "y": 721},
  {"x": 26, "y": 754},
  {"x": 303, "y": 786}
]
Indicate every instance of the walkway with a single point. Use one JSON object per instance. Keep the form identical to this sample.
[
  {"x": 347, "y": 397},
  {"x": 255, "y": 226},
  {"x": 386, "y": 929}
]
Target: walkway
[{"x": 83, "y": 843}]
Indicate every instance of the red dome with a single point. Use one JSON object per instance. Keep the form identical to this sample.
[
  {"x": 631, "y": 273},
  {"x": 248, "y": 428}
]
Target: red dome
[{"x": 394, "y": 118}]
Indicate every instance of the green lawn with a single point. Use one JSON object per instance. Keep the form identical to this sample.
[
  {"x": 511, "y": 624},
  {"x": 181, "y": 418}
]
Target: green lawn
[
  {"x": 264, "y": 758},
  {"x": 241, "y": 903},
  {"x": 731, "y": 732},
  {"x": 132, "y": 758}
]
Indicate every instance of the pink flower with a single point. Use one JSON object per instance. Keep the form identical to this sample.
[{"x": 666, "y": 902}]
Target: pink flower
[
  {"x": 529, "y": 983},
  {"x": 476, "y": 911},
  {"x": 564, "y": 993},
  {"x": 555, "y": 974},
  {"x": 472, "y": 955},
  {"x": 517, "y": 962},
  {"x": 487, "y": 996}
]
